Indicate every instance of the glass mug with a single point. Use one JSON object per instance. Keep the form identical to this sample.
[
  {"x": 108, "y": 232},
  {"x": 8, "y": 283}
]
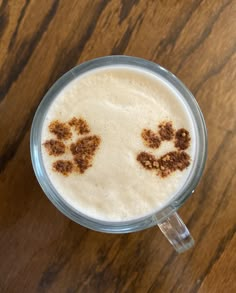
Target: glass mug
[{"x": 167, "y": 219}]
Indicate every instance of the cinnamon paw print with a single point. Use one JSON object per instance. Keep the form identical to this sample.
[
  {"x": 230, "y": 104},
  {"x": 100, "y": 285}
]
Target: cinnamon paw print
[
  {"x": 82, "y": 151},
  {"x": 172, "y": 161}
]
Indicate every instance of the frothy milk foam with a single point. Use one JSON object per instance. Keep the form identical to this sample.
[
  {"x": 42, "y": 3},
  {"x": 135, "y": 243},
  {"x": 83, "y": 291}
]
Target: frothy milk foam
[{"x": 118, "y": 102}]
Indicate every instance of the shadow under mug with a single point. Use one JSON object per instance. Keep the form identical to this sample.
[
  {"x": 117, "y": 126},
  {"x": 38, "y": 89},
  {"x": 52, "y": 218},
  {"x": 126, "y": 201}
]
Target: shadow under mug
[{"x": 167, "y": 219}]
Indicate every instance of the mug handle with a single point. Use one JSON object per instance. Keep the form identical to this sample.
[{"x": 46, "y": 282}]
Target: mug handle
[{"x": 176, "y": 232}]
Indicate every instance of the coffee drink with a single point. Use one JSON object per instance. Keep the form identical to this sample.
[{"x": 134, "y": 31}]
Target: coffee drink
[{"x": 118, "y": 143}]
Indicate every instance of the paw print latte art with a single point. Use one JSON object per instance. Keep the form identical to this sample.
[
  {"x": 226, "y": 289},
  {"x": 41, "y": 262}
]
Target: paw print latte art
[
  {"x": 82, "y": 151},
  {"x": 118, "y": 143},
  {"x": 171, "y": 161}
]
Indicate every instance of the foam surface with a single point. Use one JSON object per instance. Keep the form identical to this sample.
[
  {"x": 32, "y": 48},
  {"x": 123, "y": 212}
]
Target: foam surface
[{"x": 117, "y": 103}]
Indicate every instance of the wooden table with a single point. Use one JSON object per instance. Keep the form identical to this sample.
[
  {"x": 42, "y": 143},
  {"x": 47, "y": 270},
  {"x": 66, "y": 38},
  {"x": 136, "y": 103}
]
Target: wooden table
[{"x": 43, "y": 251}]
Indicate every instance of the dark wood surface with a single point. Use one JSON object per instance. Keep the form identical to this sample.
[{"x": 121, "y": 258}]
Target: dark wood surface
[{"x": 40, "y": 249}]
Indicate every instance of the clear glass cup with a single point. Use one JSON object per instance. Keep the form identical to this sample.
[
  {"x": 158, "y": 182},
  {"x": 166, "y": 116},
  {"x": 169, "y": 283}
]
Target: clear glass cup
[{"x": 167, "y": 219}]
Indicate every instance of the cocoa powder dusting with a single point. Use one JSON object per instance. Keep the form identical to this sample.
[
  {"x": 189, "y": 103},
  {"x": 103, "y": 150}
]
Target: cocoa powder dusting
[
  {"x": 86, "y": 145},
  {"x": 166, "y": 130},
  {"x": 151, "y": 139},
  {"x": 62, "y": 166},
  {"x": 166, "y": 164},
  {"x": 82, "y": 163},
  {"x": 84, "y": 150},
  {"x": 60, "y": 129},
  {"x": 182, "y": 139},
  {"x": 147, "y": 160},
  {"x": 54, "y": 147},
  {"x": 80, "y": 125},
  {"x": 173, "y": 161}
]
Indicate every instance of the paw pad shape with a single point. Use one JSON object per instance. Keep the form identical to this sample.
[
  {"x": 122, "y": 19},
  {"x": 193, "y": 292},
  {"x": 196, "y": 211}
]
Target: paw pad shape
[
  {"x": 177, "y": 159},
  {"x": 82, "y": 151}
]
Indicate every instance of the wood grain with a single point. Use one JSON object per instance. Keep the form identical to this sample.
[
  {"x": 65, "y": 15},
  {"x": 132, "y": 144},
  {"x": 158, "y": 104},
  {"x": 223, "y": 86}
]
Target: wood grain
[{"x": 40, "y": 249}]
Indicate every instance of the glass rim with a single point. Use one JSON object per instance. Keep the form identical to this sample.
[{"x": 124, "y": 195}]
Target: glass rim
[{"x": 134, "y": 224}]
